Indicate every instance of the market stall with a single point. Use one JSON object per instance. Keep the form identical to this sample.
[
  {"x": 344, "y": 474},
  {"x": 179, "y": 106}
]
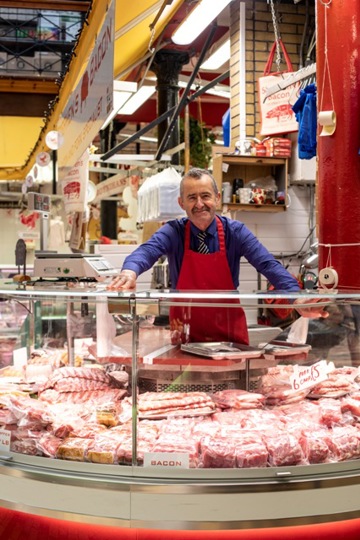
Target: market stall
[{"x": 244, "y": 441}]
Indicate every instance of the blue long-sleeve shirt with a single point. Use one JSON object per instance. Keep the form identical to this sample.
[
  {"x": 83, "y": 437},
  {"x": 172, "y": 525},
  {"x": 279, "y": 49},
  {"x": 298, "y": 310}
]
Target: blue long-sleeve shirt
[{"x": 239, "y": 241}]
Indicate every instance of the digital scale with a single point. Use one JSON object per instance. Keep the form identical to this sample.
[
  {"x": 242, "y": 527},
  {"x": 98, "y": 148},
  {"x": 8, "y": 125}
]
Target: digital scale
[
  {"x": 52, "y": 265},
  {"x": 72, "y": 265}
]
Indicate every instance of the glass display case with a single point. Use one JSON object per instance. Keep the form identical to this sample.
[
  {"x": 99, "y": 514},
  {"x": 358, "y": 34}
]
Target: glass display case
[{"x": 140, "y": 409}]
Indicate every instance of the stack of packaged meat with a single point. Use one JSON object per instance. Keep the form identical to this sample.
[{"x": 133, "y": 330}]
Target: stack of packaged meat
[{"x": 82, "y": 416}]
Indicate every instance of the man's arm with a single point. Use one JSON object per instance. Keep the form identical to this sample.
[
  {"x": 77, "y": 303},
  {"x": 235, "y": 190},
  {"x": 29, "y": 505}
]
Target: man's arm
[{"x": 144, "y": 257}]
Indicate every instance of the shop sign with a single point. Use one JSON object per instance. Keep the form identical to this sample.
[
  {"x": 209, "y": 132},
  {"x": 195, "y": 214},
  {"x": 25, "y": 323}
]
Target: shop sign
[
  {"x": 113, "y": 186},
  {"x": 74, "y": 185},
  {"x": 166, "y": 460},
  {"x": 91, "y": 102},
  {"x": 308, "y": 376}
]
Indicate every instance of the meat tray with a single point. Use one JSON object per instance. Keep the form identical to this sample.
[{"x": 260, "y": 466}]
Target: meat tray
[
  {"x": 222, "y": 349},
  {"x": 284, "y": 350}
]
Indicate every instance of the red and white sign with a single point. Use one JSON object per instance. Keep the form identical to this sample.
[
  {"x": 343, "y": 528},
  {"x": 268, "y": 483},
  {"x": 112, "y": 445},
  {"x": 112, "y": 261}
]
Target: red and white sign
[
  {"x": 5, "y": 436},
  {"x": 74, "y": 185},
  {"x": 91, "y": 102},
  {"x": 166, "y": 460},
  {"x": 113, "y": 186}
]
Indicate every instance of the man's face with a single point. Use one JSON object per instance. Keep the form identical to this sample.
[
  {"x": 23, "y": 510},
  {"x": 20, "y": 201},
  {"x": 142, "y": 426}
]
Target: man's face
[{"x": 199, "y": 201}]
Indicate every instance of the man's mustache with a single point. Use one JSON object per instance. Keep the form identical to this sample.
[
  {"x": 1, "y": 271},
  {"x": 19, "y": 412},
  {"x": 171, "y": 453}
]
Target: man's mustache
[{"x": 201, "y": 209}]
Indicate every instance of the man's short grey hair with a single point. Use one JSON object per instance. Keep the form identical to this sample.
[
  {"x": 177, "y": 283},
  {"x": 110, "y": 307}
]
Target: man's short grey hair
[{"x": 197, "y": 174}]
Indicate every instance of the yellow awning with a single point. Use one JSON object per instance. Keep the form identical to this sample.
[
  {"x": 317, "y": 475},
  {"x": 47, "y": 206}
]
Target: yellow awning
[{"x": 22, "y": 138}]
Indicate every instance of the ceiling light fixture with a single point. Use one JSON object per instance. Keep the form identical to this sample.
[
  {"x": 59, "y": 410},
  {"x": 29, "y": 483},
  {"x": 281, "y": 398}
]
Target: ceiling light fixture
[
  {"x": 198, "y": 19},
  {"x": 218, "y": 90},
  {"x": 218, "y": 58},
  {"x": 122, "y": 91},
  {"x": 142, "y": 95}
]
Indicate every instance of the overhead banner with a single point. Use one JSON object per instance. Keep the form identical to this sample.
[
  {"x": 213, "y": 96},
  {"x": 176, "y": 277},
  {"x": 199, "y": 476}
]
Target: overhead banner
[{"x": 92, "y": 100}]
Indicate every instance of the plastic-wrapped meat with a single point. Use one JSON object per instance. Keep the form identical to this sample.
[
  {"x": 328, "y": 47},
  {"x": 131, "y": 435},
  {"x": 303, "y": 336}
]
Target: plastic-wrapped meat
[
  {"x": 284, "y": 449},
  {"x": 30, "y": 412},
  {"x": 276, "y": 377},
  {"x": 25, "y": 446},
  {"x": 251, "y": 453},
  {"x": 349, "y": 404},
  {"x": 87, "y": 430},
  {"x": 277, "y": 389},
  {"x": 153, "y": 404},
  {"x": 74, "y": 449},
  {"x": 48, "y": 444},
  {"x": 95, "y": 396},
  {"x": 177, "y": 443},
  {"x": 314, "y": 446},
  {"x": 343, "y": 442},
  {"x": 217, "y": 453},
  {"x": 79, "y": 385},
  {"x": 7, "y": 417},
  {"x": 176, "y": 425},
  {"x": 78, "y": 373},
  {"x": 148, "y": 430},
  {"x": 283, "y": 395},
  {"x": 238, "y": 399},
  {"x": 336, "y": 385},
  {"x": 232, "y": 417},
  {"x": 330, "y": 412},
  {"x": 206, "y": 427},
  {"x": 103, "y": 450},
  {"x": 124, "y": 451},
  {"x": 305, "y": 413}
]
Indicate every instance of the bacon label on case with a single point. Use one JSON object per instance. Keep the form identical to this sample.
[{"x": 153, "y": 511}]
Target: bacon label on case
[{"x": 169, "y": 460}]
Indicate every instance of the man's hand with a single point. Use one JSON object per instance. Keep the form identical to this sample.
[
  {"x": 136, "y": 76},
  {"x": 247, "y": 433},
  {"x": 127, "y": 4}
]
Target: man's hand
[
  {"x": 125, "y": 280},
  {"x": 314, "y": 312}
]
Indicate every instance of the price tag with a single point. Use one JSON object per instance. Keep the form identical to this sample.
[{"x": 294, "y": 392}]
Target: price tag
[
  {"x": 5, "y": 436},
  {"x": 166, "y": 460},
  {"x": 20, "y": 357},
  {"x": 308, "y": 376}
]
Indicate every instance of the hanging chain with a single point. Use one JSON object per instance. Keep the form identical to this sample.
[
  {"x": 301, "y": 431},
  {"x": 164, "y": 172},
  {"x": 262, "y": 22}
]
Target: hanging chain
[
  {"x": 326, "y": 62},
  {"x": 277, "y": 35}
]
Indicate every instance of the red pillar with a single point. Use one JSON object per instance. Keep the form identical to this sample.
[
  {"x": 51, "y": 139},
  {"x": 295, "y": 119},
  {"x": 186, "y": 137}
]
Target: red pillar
[{"x": 338, "y": 192}]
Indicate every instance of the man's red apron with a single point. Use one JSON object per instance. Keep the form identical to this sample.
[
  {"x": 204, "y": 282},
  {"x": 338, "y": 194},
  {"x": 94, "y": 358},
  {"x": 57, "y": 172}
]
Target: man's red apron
[{"x": 207, "y": 272}]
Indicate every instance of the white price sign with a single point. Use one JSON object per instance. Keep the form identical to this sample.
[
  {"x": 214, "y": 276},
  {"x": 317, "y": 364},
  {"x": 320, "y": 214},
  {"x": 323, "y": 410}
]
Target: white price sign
[
  {"x": 167, "y": 460},
  {"x": 308, "y": 376},
  {"x": 5, "y": 436}
]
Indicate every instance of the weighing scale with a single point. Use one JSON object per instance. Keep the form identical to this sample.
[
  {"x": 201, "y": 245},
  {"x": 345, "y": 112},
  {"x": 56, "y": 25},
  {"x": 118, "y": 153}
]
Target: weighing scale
[
  {"x": 72, "y": 265},
  {"x": 52, "y": 265}
]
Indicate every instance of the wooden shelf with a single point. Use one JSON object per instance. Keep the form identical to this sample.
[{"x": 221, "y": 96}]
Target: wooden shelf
[
  {"x": 270, "y": 208},
  {"x": 228, "y": 166}
]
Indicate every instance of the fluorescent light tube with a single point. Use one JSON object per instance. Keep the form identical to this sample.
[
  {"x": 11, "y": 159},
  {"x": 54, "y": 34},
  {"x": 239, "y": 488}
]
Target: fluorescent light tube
[
  {"x": 123, "y": 90},
  {"x": 142, "y": 95},
  {"x": 218, "y": 58},
  {"x": 198, "y": 19},
  {"x": 219, "y": 90}
]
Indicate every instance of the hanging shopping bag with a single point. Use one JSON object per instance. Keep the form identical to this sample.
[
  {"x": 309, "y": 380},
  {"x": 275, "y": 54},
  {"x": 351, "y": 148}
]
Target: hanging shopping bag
[{"x": 276, "y": 112}]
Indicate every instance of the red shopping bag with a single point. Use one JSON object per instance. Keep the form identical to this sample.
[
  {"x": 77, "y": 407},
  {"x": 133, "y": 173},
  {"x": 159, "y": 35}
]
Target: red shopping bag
[{"x": 276, "y": 112}]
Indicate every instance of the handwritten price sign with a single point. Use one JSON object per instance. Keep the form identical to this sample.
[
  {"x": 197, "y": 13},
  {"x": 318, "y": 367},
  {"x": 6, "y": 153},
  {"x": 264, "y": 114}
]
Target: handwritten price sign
[
  {"x": 308, "y": 376},
  {"x": 5, "y": 436}
]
